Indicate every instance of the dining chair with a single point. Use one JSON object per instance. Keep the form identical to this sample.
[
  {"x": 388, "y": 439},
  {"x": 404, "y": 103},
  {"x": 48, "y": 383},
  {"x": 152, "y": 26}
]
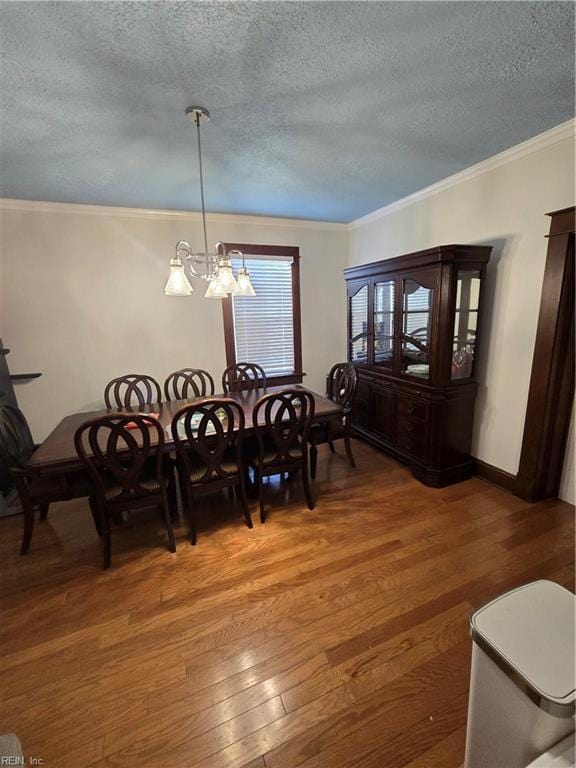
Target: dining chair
[
  {"x": 281, "y": 422},
  {"x": 342, "y": 385},
  {"x": 34, "y": 491},
  {"x": 132, "y": 389},
  {"x": 123, "y": 454},
  {"x": 241, "y": 376},
  {"x": 208, "y": 438},
  {"x": 188, "y": 383}
]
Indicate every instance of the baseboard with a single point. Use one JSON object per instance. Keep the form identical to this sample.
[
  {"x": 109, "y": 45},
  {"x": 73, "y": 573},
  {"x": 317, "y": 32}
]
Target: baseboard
[{"x": 496, "y": 476}]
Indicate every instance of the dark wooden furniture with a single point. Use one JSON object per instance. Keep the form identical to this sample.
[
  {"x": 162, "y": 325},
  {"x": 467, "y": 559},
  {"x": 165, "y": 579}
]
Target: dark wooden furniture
[
  {"x": 283, "y": 422},
  {"x": 35, "y": 492},
  {"x": 187, "y": 383},
  {"x": 243, "y": 376},
  {"x": 551, "y": 394},
  {"x": 413, "y": 324},
  {"x": 126, "y": 469},
  {"x": 57, "y": 455},
  {"x": 341, "y": 386},
  {"x": 209, "y": 437},
  {"x": 8, "y": 396},
  {"x": 132, "y": 389}
]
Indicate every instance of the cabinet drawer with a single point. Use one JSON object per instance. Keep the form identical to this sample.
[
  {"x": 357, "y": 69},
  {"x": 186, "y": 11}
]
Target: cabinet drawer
[
  {"x": 412, "y": 409},
  {"x": 415, "y": 446},
  {"x": 414, "y": 428}
]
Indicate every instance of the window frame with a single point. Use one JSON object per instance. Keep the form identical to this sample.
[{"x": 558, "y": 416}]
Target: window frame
[{"x": 251, "y": 250}]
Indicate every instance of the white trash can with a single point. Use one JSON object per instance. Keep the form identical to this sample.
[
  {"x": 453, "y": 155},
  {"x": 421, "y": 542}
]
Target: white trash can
[{"x": 522, "y": 683}]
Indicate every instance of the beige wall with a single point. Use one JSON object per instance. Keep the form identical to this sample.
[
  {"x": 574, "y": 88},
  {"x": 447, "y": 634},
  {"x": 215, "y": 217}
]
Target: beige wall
[
  {"x": 506, "y": 208},
  {"x": 81, "y": 299}
]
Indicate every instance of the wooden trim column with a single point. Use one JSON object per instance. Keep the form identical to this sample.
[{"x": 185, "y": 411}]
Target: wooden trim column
[{"x": 551, "y": 394}]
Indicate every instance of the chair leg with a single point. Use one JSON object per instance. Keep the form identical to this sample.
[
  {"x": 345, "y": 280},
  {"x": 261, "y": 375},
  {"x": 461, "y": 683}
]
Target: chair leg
[
  {"x": 106, "y": 548},
  {"x": 168, "y": 520},
  {"x": 44, "y": 511},
  {"x": 307, "y": 489},
  {"x": 244, "y": 502},
  {"x": 348, "y": 447},
  {"x": 102, "y": 523},
  {"x": 332, "y": 448},
  {"x": 261, "y": 497},
  {"x": 191, "y": 506},
  {"x": 28, "y": 510},
  {"x": 172, "y": 496},
  {"x": 313, "y": 460},
  {"x": 96, "y": 516},
  {"x": 249, "y": 484}
]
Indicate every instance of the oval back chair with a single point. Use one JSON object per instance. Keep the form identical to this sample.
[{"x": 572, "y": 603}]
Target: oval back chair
[
  {"x": 208, "y": 436},
  {"x": 341, "y": 388},
  {"x": 16, "y": 443},
  {"x": 188, "y": 383},
  {"x": 132, "y": 389},
  {"x": 123, "y": 454},
  {"x": 282, "y": 422},
  {"x": 16, "y": 449},
  {"x": 241, "y": 376},
  {"x": 342, "y": 385}
]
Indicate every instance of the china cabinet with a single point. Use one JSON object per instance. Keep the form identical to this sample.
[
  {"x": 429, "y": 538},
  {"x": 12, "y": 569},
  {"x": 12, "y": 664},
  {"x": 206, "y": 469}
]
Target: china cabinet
[{"x": 413, "y": 336}]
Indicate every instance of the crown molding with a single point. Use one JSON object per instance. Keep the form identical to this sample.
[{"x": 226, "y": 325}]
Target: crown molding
[
  {"x": 43, "y": 206},
  {"x": 555, "y": 135}
]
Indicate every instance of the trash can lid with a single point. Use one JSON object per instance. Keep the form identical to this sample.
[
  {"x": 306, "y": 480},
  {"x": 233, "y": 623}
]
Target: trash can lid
[{"x": 529, "y": 634}]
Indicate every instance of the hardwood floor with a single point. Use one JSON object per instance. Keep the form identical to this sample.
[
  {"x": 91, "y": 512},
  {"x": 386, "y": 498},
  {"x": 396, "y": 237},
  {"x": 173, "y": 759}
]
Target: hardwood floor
[{"x": 326, "y": 639}]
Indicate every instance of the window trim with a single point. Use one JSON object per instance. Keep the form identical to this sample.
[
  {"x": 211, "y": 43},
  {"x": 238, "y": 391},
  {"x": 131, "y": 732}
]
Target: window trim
[{"x": 251, "y": 250}]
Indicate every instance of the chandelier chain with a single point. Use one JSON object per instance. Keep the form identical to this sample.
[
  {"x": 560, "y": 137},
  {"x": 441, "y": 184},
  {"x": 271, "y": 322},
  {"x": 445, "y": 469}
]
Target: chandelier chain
[{"x": 197, "y": 120}]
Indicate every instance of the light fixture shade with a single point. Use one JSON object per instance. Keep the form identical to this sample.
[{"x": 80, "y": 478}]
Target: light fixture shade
[
  {"x": 212, "y": 291},
  {"x": 177, "y": 284},
  {"x": 244, "y": 285},
  {"x": 226, "y": 281}
]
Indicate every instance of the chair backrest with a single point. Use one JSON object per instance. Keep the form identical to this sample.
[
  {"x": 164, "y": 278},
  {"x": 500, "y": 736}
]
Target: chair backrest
[
  {"x": 16, "y": 443},
  {"x": 132, "y": 389},
  {"x": 342, "y": 385},
  {"x": 187, "y": 383},
  {"x": 282, "y": 421},
  {"x": 243, "y": 376},
  {"x": 206, "y": 434},
  {"x": 116, "y": 449}
]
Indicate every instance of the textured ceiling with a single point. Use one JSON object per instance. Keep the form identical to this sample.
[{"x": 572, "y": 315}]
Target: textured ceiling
[{"x": 319, "y": 110}]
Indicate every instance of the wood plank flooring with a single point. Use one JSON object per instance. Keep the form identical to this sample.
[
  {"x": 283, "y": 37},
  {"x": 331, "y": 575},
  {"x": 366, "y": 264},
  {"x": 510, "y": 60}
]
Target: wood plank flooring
[{"x": 336, "y": 638}]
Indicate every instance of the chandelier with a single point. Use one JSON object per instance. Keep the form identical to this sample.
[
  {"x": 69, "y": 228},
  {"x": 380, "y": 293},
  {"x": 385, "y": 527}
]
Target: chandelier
[{"x": 215, "y": 268}]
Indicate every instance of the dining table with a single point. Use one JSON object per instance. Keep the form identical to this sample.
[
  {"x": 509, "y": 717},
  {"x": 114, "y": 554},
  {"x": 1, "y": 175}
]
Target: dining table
[{"x": 56, "y": 457}]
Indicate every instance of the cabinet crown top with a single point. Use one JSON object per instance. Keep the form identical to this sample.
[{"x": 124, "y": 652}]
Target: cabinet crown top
[{"x": 440, "y": 254}]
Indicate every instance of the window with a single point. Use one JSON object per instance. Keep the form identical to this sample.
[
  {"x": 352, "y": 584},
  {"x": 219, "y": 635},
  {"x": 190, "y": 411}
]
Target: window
[{"x": 265, "y": 328}]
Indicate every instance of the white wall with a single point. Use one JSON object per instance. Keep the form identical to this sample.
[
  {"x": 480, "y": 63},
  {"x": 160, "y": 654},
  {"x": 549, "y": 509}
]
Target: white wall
[
  {"x": 81, "y": 300},
  {"x": 503, "y": 206}
]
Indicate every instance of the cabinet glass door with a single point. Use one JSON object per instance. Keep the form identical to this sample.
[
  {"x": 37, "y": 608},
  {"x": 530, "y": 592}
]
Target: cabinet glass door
[
  {"x": 417, "y": 302},
  {"x": 384, "y": 323},
  {"x": 358, "y": 308},
  {"x": 465, "y": 323}
]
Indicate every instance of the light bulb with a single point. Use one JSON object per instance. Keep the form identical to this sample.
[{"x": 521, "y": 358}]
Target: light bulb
[
  {"x": 213, "y": 292},
  {"x": 177, "y": 283},
  {"x": 226, "y": 280},
  {"x": 244, "y": 285}
]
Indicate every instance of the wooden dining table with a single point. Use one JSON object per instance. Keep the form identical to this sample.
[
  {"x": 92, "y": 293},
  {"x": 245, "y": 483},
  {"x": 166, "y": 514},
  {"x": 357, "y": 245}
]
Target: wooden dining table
[{"x": 57, "y": 457}]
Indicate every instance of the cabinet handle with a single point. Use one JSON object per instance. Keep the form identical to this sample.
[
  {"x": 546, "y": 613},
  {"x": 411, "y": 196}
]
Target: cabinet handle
[
  {"x": 409, "y": 427},
  {"x": 411, "y": 409}
]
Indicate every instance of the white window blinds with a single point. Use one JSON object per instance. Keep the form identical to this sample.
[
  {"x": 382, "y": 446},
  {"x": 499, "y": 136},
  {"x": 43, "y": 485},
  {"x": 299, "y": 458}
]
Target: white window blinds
[{"x": 264, "y": 324}]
